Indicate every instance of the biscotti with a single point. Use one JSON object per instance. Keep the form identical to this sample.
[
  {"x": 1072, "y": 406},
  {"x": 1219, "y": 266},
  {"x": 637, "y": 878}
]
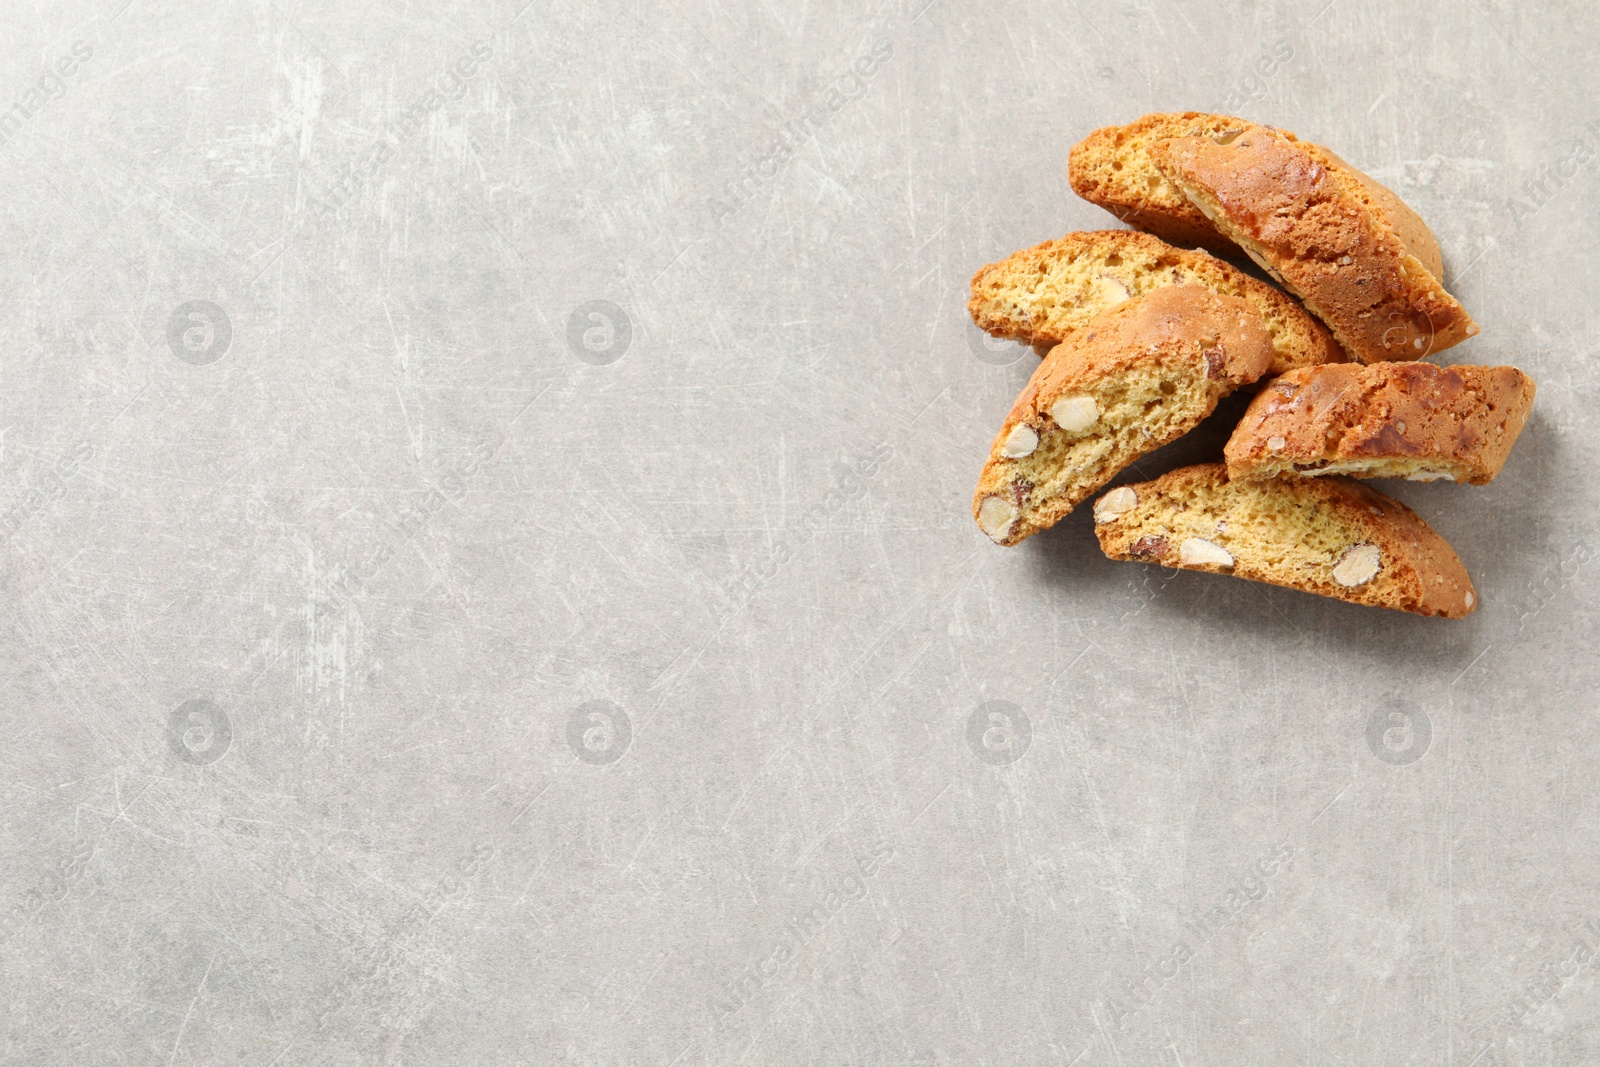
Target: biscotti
[
  {"x": 1328, "y": 536},
  {"x": 1041, "y": 295},
  {"x": 1112, "y": 167},
  {"x": 1314, "y": 225},
  {"x": 1143, "y": 373},
  {"x": 1387, "y": 420}
]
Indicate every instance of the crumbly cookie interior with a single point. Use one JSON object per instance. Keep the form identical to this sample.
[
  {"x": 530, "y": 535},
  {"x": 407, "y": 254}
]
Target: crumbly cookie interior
[
  {"x": 1415, "y": 470},
  {"x": 1062, "y": 293},
  {"x": 1139, "y": 410},
  {"x": 1122, "y": 169},
  {"x": 1290, "y": 538}
]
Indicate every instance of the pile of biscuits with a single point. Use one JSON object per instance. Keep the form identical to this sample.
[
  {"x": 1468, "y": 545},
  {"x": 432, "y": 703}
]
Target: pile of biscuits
[{"x": 1143, "y": 333}]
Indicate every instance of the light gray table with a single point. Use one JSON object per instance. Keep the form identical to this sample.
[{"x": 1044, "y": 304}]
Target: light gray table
[{"x": 488, "y": 576}]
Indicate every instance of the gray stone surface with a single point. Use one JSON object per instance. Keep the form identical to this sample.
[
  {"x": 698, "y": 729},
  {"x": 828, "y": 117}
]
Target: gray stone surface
[{"x": 488, "y": 576}]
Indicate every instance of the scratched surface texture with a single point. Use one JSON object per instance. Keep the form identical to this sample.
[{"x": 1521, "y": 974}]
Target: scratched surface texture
[{"x": 488, "y": 576}]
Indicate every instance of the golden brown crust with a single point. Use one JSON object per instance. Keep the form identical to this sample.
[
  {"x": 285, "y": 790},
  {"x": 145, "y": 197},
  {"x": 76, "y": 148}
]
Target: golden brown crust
[
  {"x": 1107, "y": 168},
  {"x": 1412, "y": 420},
  {"x": 1313, "y": 227},
  {"x": 1111, "y": 167},
  {"x": 1304, "y": 534},
  {"x": 1394, "y": 212},
  {"x": 1177, "y": 322},
  {"x": 1185, "y": 346},
  {"x": 1041, "y": 295}
]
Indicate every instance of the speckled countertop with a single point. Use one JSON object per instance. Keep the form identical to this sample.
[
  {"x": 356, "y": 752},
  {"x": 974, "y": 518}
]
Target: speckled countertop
[{"x": 488, "y": 575}]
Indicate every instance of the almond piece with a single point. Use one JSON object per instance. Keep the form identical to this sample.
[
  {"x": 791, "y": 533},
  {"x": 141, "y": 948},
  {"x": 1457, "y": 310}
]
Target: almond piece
[
  {"x": 1111, "y": 291},
  {"x": 1075, "y": 413},
  {"x": 1196, "y": 551},
  {"x": 995, "y": 516},
  {"x": 1021, "y": 441},
  {"x": 1115, "y": 504},
  {"x": 1357, "y": 565}
]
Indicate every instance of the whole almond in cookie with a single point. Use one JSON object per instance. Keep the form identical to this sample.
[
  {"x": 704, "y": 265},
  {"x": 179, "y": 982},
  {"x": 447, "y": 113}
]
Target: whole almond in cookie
[
  {"x": 1142, "y": 374},
  {"x": 1328, "y": 536}
]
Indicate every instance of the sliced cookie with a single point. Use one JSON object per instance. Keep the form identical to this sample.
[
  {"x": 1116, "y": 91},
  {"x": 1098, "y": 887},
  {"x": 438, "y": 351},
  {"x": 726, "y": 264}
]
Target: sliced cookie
[
  {"x": 1314, "y": 224},
  {"x": 1111, "y": 167},
  {"x": 1041, "y": 295},
  {"x": 1329, "y": 536},
  {"x": 1387, "y": 420},
  {"x": 1142, "y": 374}
]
